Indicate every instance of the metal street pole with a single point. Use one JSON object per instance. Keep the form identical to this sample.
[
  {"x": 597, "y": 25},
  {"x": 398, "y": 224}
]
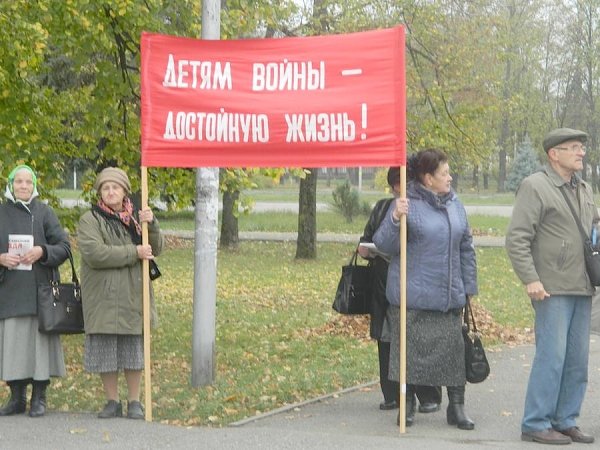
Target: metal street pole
[{"x": 206, "y": 235}]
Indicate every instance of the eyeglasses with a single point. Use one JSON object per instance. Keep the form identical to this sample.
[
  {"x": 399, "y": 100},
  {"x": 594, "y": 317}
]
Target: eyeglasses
[{"x": 573, "y": 148}]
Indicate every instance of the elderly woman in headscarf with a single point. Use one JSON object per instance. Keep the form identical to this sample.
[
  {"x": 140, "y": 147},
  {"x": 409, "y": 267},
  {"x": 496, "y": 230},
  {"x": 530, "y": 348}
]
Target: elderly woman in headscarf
[
  {"x": 32, "y": 244},
  {"x": 110, "y": 243}
]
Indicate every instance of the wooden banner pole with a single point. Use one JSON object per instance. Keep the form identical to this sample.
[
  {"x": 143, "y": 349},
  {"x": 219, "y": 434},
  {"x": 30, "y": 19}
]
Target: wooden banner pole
[
  {"x": 146, "y": 305},
  {"x": 402, "y": 319}
]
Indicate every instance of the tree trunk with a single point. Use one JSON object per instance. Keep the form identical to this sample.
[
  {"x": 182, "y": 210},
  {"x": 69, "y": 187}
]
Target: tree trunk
[
  {"x": 306, "y": 246},
  {"x": 229, "y": 221},
  {"x": 475, "y": 183},
  {"x": 501, "y": 170}
]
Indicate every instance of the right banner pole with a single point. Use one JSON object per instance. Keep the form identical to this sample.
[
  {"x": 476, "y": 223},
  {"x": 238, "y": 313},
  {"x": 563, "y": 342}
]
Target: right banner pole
[{"x": 402, "y": 305}]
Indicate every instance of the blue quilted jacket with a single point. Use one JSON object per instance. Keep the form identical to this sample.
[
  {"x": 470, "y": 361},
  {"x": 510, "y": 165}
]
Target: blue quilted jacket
[{"x": 441, "y": 266}]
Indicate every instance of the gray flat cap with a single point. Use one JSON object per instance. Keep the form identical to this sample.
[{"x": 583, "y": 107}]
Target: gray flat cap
[{"x": 560, "y": 135}]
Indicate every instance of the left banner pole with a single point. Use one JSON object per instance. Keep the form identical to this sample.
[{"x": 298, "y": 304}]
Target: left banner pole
[{"x": 146, "y": 304}]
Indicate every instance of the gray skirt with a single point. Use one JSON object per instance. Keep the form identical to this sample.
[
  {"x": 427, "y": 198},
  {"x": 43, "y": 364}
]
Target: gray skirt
[
  {"x": 435, "y": 352},
  {"x": 113, "y": 352},
  {"x": 27, "y": 353}
]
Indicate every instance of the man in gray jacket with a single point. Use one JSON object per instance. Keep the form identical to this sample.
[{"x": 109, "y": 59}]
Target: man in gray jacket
[{"x": 546, "y": 250}]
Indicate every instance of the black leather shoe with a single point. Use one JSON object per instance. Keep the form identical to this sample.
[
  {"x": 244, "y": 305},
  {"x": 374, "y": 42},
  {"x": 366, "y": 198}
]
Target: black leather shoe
[
  {"x": 429, "y": 407},
  {"x": 111, "y": 409},
  {"x": 386, "y": 406},
  {"x": 134, "y": 410},
  {"x": 577, "y": 435},
  {"x": 410, "y": 419}
]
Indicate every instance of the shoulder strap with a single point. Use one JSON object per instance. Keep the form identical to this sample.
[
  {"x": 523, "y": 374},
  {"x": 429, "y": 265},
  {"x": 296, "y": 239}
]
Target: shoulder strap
[
  {"x": 575, "y": 216},
  {"x": 56, "y": 274},
  {"x": 384, "y": 209},
  {"x": 468, "y": 312}
]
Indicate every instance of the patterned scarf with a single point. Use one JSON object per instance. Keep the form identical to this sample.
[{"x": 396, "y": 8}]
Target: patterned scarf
[{"x": 125, "y": 216}]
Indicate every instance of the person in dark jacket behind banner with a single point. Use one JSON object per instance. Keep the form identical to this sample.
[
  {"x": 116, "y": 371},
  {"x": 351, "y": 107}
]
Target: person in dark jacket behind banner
[
  {"x": 26, "y": 355},
  {"x": 429, "y": 397},
  {"x": 109, "y": 238},
  {"x": 441, "y": 273}
]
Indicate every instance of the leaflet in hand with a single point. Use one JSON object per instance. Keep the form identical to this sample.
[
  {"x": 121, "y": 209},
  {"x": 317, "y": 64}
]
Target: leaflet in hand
[
  {"x": 19, "y": 244},
  {"x": 374, "y": 251}
]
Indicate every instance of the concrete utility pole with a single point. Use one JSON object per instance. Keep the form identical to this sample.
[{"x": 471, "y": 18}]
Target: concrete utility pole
[{"x": 206, "y": 236}]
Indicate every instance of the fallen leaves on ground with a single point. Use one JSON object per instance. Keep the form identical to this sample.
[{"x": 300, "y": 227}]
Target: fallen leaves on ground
[{"x": 357, "y": 326}]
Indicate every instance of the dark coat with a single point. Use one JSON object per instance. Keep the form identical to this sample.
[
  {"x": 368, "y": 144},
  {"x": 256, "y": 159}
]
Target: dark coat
[
  {"x": 18, "y": 288},
  {"x": 111, "y": 276},
  {"x": 379, "y": 268}
]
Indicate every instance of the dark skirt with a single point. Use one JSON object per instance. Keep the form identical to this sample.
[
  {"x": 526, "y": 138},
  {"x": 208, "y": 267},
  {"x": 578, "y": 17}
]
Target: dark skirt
[
  {"x": 113, "y": 352},
  {"x": 435, "y": 352}
]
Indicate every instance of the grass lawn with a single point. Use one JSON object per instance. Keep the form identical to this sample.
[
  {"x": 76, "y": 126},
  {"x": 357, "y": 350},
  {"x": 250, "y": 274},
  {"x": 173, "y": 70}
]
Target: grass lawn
[
  {"x": 327, "y": 222},
  {"x": 278, "y": 341},
  {"x": 324, "y": 195}
]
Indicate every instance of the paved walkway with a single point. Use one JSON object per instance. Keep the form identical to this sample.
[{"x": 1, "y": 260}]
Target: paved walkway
[
  {"x": 480, "y": 241},
  {"x": 263, "y": 206},
  {"x": 348, "y": 420}
]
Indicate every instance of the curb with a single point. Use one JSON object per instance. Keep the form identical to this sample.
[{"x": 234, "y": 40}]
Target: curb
[
  {"x": 294, "y": 406},
  {"x": 479, "y": 241}
]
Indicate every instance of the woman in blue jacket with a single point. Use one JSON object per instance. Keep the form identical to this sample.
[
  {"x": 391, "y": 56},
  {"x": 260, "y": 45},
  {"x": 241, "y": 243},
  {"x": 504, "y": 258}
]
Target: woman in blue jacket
[{"x": 441, "y": 272}]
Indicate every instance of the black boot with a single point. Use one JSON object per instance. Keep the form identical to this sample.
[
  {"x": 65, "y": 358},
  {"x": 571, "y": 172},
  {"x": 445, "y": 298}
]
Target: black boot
[
  {"x": 455, "y": 414},
  {"x": 18, "y": 398},
  {"x": 429, "y": 397},
  {"x": 411, "y": 402},
  {"x": 38, "y": 398}
]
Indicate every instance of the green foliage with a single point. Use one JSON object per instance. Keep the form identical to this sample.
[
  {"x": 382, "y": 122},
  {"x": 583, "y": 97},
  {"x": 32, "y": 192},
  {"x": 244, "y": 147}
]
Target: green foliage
[
  {"x": 69, "y": 78},
  {"x": 365, "y": 208},
  {"x": 525, "y": 164},
  {"x": 381, "y": 183},
  {"x": 70, "y": 85},
  {"x": 346, "y": 201}
]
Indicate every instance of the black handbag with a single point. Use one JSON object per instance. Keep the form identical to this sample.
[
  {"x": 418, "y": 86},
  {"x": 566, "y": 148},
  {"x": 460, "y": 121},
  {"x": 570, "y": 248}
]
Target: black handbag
[
  {"x": 353, "y": 295},
  {"x": 591, "y": 254},
  {"x": 476, "y": 363},
  {"x": 154, "y": 270},
  {"x": 59, "y": 305}
]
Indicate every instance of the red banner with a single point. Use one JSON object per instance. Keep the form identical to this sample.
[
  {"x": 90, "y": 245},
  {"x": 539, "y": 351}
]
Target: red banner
[{"x": 326, "y": 101}]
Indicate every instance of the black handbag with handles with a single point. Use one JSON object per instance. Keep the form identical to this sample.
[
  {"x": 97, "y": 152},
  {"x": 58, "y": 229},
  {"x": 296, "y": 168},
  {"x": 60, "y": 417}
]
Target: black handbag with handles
[
  {"x": 60, "y": 310},
  {"x": 353, "y": 295},
  {"x": 476, "y": 363}
]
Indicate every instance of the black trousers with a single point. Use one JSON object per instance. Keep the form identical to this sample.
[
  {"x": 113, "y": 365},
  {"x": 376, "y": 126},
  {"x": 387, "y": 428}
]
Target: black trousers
[{"x": 391, "y": 389}]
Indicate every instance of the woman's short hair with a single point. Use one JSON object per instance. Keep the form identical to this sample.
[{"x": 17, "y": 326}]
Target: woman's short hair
[
  {"x": 425, "y": 162},
  {"x": 393, "y": 176}
]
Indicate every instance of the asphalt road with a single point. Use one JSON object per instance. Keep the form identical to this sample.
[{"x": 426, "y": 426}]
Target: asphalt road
[{"x": 348, "y": 420}]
